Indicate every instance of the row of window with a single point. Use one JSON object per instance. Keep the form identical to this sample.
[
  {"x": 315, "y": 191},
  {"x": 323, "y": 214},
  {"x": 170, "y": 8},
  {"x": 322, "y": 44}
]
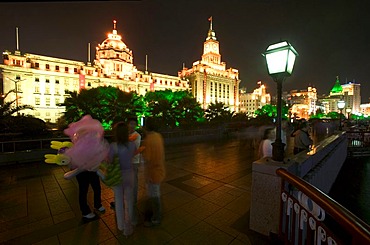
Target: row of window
[
  {"x": 57, "y": 67},
  {"x": 48, "y": 101},
  {"x": 48, "y": 114}
]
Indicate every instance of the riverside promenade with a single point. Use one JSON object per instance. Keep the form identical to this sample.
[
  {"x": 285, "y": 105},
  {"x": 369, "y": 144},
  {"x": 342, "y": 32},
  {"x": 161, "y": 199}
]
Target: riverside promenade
[{"x": 205, "y": 197}]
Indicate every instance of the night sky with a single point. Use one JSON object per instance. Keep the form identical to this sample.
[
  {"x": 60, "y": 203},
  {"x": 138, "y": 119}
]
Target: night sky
[{"x": 331, "y": 37}]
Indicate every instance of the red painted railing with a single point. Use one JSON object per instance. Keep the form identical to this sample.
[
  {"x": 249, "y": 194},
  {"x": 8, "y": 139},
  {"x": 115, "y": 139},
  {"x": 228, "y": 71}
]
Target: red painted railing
[{"x": 309, "y": 216}]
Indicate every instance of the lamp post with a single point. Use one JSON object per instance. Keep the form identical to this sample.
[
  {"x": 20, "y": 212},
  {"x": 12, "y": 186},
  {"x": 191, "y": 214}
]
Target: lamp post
[
  {"x": 348, "y": 110},
  {"x": 16, "y": 90},
  {"x": 280, "y": 58},
  {"x": 341, "y": 104}
]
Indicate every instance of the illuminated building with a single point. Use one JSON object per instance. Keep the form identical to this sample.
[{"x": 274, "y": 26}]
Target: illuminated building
[
  {"x": 352, "y": 96},
  {"x": 250, "y": 102},
  {"x": 209, "y": 79},
  {"x": 365, "y": 109},
  {"x": 41, "y": 80},
  {"x": 350, "y": 93},
  {"x": 303, "y": 102}
]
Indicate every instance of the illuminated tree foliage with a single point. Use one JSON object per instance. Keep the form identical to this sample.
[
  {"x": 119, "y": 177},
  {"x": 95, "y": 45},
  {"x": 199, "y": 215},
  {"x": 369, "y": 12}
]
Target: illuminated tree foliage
[
  {"x": 106, "y": 104},
  {"x": 8, "y": 109},
  {"x": 173, "y": 109},
  {"x": 271, "y": 111},
  {"x": 24, "y": 126},
  {"x": 218, "y": 112},
  {"x": 109, "y": 105}
]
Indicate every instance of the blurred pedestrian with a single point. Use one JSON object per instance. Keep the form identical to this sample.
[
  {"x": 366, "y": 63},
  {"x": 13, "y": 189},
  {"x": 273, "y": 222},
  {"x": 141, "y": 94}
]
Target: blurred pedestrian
[
  {"x": 302, "y": 140},
  {"x": 154, "y": 170},
  {"x": 265, "y": 147},
  {"x": 136, "y": 138},
  {"x": 123, "y": 193}
]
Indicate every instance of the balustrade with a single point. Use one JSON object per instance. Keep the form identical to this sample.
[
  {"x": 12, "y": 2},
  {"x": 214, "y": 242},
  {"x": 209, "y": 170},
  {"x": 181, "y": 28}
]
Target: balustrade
[{"x": 309, "y": 216}]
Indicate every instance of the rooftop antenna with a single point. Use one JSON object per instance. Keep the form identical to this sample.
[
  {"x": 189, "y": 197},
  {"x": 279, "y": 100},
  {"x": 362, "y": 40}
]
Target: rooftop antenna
[
  {"x": 17, "y": 40},
  {"x": 88, "y": 54},
  {"x": 146, "y": 63}
]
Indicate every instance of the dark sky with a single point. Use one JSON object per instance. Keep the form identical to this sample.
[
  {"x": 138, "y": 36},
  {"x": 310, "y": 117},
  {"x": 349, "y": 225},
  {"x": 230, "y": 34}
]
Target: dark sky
[{"x": 331, "y": 37}]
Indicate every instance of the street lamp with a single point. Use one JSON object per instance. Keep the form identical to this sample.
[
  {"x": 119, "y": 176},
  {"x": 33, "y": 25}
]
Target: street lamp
[
  {"x": 348, "y": 110},
  {"x": 16, "y": 90},
  {"x": 341, "y": 104},
  {"x": 280, "y": 58}
]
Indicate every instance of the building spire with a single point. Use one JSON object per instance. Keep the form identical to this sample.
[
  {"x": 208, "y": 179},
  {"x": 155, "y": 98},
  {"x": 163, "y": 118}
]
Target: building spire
[
  {"x": 211, "y": 32},
  {"x": 114, "y": 27}
]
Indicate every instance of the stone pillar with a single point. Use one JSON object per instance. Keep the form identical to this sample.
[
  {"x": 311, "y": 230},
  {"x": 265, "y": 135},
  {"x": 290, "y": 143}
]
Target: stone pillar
[{"x": 265, "y": 203}]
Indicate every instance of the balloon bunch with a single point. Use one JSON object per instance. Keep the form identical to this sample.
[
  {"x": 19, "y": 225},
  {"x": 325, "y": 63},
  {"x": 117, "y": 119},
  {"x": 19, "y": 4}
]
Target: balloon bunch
[{"x": 87, "y": 149}]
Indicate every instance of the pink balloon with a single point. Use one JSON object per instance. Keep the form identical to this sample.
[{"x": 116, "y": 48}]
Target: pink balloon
[{"x": 89, "y": 146}]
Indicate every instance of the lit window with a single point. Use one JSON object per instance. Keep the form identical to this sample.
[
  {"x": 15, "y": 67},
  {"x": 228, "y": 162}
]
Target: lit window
[
  {"x": 47, "y": 91},
  {"x": 37, "y": 114},
  {"x": 37, "y": 101},
  {"x": 37, "y": 89},
  {"x": 47, "y": 101}
]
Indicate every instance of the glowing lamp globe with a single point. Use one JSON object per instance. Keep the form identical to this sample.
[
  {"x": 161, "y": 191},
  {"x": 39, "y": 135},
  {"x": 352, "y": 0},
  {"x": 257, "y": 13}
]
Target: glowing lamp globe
[
  {"x": 341, "y": 104},
  {"x": 280, "y": 58}
]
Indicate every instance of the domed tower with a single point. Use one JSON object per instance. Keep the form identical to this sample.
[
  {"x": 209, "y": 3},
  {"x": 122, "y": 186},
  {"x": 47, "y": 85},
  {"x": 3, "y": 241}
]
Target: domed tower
[{"x": 113, "y": 57}]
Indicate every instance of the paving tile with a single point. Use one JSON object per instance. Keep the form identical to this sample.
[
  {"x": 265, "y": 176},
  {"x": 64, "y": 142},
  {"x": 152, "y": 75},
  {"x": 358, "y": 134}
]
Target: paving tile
[
  {"x": 63, "y": 217},
  {"x": 223, "y": 220},
  {"x": 203, "y": 233},
  {"x": 13, "y": 213},
  {"x": 178, "y": 221},
  {"x": 175, "y": 199},
  {"x": 241, "y": 204},
  {"x": 48, "y": 241},
  {"x": 93, "y": 231},
  {"x": 205, "y": 200},
  {"x": 111, "y": 241},
  {"x": 219, "y": 197},
  {"x": 200, "y": 208},
  {"x": 144, "y": 235}
]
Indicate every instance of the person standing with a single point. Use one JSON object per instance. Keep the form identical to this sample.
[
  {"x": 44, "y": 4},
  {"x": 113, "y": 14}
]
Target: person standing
[
  {"x": 84, "y": 179},
  {"x": 154, "y": 171},
  {"x": 123, "y": 193},
  {"x": 136, "y": 138},
  {"x": 302, "y": 139},
  {"x": 265, "y": 148}
]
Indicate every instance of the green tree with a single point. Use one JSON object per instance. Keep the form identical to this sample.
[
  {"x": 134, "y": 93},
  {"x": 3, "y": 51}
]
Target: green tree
[
  {"x": 173, "y": 109},
  {"x": 271, "y": 111},
  {"x": 218, "y": 112},
  {"x": 8, "y": 109},
  {"x": 106, "y": 104},
  {"x": 10, "y": 123}
]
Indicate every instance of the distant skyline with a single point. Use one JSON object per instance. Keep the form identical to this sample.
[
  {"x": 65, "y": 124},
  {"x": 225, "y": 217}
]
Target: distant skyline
[{"x": 331, "y": 37}]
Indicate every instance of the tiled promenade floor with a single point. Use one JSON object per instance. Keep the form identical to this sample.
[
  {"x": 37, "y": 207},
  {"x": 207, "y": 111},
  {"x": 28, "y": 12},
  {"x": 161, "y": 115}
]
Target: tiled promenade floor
[{"x": 206, "y": 200}]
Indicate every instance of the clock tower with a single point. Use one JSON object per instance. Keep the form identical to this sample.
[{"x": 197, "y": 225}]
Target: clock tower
[
  {"x": 211, "y": 52},
  {"x": 209, "y": 79}
]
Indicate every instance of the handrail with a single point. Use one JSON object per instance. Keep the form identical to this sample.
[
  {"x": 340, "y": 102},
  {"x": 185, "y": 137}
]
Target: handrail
[{"x": 351, "y": 222}]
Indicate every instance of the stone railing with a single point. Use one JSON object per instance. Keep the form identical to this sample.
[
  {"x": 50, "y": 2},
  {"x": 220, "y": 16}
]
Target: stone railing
[{"x": 319, "y": 167}]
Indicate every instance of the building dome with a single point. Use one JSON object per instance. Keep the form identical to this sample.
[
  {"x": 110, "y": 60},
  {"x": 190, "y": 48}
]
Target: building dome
[
  {"x": 114, "y": 40},
  {"x": 337, "y": 87}
]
